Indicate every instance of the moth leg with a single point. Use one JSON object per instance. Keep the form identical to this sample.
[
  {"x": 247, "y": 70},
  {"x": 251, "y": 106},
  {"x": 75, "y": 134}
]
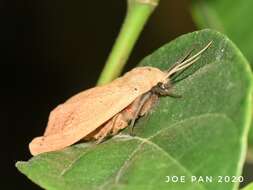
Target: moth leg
[
  {"x": 164, "y": 89},
  {"x": 137, "y": 112},
  {"x": 105, "y": 130},
  {"x": 119, "y": 124},
  {"x": 148, "y": 104}
]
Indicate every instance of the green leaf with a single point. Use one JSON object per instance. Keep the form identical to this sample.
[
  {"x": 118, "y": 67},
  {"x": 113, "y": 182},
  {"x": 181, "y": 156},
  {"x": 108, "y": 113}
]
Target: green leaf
[
  {"x": 250, "y": 148},
  {"x": 248, "y": 187},
  {"x": 229, "y": 17},
  {"x": 202, "y": 134}
]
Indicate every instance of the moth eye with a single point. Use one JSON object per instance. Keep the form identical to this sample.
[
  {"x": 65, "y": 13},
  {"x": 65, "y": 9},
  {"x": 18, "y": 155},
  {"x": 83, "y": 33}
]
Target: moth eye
[
  {"x": 160, "y": 84},
  {"x": 135, "y": 89},
  {"x": 163, "y": 86}
]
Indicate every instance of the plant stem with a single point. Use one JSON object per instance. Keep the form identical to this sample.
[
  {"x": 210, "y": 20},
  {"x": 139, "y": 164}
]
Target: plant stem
[{"x": 138, "y": 12}]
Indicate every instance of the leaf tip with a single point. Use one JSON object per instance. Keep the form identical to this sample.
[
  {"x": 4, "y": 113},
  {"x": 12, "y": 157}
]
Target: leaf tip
[{"x": 20, "y": 165}]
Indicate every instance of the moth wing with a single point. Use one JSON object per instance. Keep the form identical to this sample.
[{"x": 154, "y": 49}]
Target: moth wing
[
  {"x": 82, "y": 114},
  {"x": 90, "y": 108}
]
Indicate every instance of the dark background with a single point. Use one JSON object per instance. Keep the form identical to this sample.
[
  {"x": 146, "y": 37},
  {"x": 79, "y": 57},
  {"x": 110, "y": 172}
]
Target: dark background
[{"x": 52, "y": 49}]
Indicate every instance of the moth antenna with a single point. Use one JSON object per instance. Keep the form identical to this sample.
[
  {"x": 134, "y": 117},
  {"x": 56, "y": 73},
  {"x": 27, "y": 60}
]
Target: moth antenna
[
  {"x": 180, "y": 61},
  {"x": 187, "y": 55},
  {"x": 187, "y": 62}
]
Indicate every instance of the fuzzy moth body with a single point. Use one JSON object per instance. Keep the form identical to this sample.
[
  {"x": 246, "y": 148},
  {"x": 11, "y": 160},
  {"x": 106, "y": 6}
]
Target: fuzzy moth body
[{"x": 101, "y": 111}]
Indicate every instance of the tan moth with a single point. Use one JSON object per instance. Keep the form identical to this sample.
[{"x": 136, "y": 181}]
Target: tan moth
[{"x": 103, "y": 111}]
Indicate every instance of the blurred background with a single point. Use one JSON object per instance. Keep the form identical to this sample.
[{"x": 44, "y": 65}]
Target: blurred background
[{"x": 53, "y": 49}]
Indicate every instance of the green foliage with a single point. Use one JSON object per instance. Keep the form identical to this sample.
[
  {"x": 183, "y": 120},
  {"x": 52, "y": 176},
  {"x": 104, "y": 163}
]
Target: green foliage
[
  {"x": 233, "y": 19},
  {"x": 202, "y": 134},
  {"x": 230, "y": 17},
  {"x": 248, "y": 187},
  {"x": 251, "y": 139}
]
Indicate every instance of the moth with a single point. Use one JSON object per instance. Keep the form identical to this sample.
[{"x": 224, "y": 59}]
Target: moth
[{"x": 103, "y": 111}]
